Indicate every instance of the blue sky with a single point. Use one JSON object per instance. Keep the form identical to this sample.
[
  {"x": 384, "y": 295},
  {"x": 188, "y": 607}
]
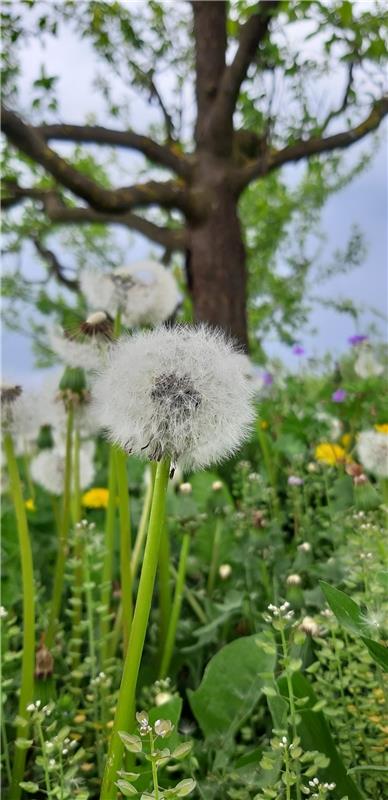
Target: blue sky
[{"x": 364, "y": 202}]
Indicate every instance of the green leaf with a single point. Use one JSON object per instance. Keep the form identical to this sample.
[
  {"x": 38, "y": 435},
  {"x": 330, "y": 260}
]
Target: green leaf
[
  {"x": 315, "y": 735},
  {"x": 23, "y": 744},
  {"x": 183, "y": 788},
  {"x": 378, "y": 652},
  {"x": 232, "y": 684},
  {"x": 345, "y": 609},
  {"x": 126, "y": 788},
  {"x": 29, "y": 786},
  {"x": 131, "y": 743}
]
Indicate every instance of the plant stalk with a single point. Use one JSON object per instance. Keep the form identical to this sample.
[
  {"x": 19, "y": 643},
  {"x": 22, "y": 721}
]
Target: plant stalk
[
  {"x": 176, "y": 607},
  {"x": 125, "y": 543}
]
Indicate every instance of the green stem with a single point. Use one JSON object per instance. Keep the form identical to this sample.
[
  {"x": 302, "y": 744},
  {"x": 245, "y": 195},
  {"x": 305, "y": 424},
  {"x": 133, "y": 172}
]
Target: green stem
[
  {"x": 215, "y": 556},
  {"x": 142, "y": 529},
  {"x": 31, "y": 489},
  {"x": 136, "y": 554},
  {"x": 125, "y": 543},
  {"x": 28, "y": 654},
  {"x": 78, "y": 549},
  {"x": 191, "y": 599},
  {"x": 63, "y": 535},
  {"x": 6, "y": 750},
  {"x": 292, "y": 702},
  {"x": 269, "y": 465},
  {"x": 164, "y": 589},
  {"x": 154, "y": 768},
  {"x": 56, "y": 513},
  {"x": 107, "y": 568},
  {"x": 44, "y": 759},
  {"x": 89, "y": 601},
  {"x": 127, "y": 693},
  {"x": 176, "y": 607}
]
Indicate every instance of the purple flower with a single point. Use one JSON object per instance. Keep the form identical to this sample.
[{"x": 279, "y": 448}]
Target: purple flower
[
  {"x": 294, "y": 480},
  {"x": 339, "y": 396},
  {"x": 298, "y": 350},
  {"x": 267, "y": 378},
  {"x": 357, "y": 339}
]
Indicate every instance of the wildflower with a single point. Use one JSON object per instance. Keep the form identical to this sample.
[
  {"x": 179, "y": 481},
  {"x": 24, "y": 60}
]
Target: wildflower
[
  {"x": 84, "y": 347},
  {"x": 96, "y": 498},
  {"x": 30, "y": 505},
  {"x": 382, "y": 427},
  {"x": 298, "y": 350},
  {"x": 162, "y": 697},
  {"x": 225, "y": 571},
  {"x": 329, "y": 453},
  {"x": 267, "y": 379},
  {"x": 264, "y": 425},
  {"x": 217, "y": 486},
  {"x": 163, "y": 727},
  {"x": 304, "y": 547},
  {"x": 179, "y": 392},
  {"x": 294, "y": 480},
  {"x": 357, "y": 339},
  {"x": 185, "y": 488},
  {"x": 339, "y": 396},
  {"x": 309, "y": 626},
  {"x": 346, "y": 440},
  {"x": 144, "y": 726},
  {"x": 48, "y": 468},
  {"x": 311, "y": 467},
  {"x": 372, "y": 449},
  {"x": 366, "y": 366},
  {"x": 294, "y": 580},
  {"x": 145, "y": 292}
]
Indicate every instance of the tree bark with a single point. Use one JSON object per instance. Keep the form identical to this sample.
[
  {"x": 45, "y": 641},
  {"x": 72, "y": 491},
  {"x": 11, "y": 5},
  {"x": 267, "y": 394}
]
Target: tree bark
[{"x": 217, "y": 268}]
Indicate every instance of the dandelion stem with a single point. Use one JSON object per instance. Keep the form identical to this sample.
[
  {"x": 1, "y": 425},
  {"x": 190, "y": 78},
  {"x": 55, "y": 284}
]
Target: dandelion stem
[
  {"x": 31, "y": 489},
  {"x": 269, "y": 464},
  {"x": 164, "y": 589},
  {"x": 63, "y": 535},
  {"x": 78, "y": 548},
  {"x": 127, "y": 693},
  {"x": 107, "y": 568},
  {"x": 176, "y": 607},
  {"x": 142, "y": 530},
  {"x": 28, "y": 654},
  {"x": 125, "y": 543},
  {"x": 191, "y": 599},
  {"x": 214, "y": 557}
]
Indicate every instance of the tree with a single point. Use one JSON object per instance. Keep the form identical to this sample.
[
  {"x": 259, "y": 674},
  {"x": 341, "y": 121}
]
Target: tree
[{"x": 255, "y": 112}]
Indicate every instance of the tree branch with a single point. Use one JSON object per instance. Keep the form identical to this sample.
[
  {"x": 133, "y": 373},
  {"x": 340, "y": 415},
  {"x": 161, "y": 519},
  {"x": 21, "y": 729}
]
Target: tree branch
[
  {"x": 59, "y": 213},
  {"x": 96, "y": 134},
  {"x": 168, "y": 194},
  {"x": 55, "y": 267},
  {"x": 309, "y": 147}
]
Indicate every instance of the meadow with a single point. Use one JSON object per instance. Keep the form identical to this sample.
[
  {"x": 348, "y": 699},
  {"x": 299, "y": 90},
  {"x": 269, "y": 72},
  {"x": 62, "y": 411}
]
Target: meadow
[{"x": 261, "y": 675}]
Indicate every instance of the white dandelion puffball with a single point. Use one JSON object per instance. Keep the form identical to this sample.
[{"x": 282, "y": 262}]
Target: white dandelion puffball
[
  {"x": 180, "y": 393},
  {"x": 366, "y": 365},
  {"x": 372, "y": 449},
  {"x": 48, "y": 468},
  {"x": 88, "y": 355},
  {"x": 145, "y": 292}
]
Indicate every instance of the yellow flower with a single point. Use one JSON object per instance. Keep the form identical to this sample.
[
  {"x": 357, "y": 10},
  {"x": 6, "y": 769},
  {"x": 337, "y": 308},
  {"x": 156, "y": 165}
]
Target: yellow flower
[
  {"x": 330, "y": 453},
  {"x": 346, "y": 440},
  {"x": 382, "y": 428},
  {"x": 30, "y": 505},
  {"x": 264, "y": 424},
  {"x": 96, "y": 498}
]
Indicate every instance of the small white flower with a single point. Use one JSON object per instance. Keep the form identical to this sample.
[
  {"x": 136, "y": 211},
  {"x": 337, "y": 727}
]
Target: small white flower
[
  {"x": 334, "y": 425},
  {"x": 309, "y": 626},
  {"x": 145, "y": 292},
  {"x": 162, "y": 697},
  {"x": 217, "y": 486},
  {"x": 225, "y": 571},
  {"x": 366, "y": 366},
  {"x": 304, "y": 547},
  {"x": 185, "y": 488},
  {"x": 372, "y": 449},
  {"x": 178, "y": 393},
  {"x": 3, "y": 612},
  {"x": 294, "y": 580},
  {"x": 48, "y": 468}
]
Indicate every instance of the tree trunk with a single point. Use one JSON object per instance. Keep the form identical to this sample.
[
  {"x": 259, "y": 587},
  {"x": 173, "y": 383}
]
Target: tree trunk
[{"x": 217, "y": 267}]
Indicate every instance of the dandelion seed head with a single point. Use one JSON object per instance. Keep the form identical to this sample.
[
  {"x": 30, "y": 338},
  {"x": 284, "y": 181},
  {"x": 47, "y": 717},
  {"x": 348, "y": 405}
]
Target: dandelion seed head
[
  {"x": 309, "y": 626},
  {"x": 48, "y": 468},
  {"x": 178, "y": 393},
  {"x": 88, "y": 355},
  {"x": 372, "y": 447},
  {"x": 366, "y": 365},
  {"x": 144, "y": 292}
]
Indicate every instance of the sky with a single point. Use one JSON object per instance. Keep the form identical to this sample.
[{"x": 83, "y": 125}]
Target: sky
[{"x": 364, "y": 202}]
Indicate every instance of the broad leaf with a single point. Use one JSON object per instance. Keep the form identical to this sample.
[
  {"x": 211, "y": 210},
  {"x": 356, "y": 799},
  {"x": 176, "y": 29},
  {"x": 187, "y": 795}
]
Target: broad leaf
[
  {"x": 232, "y": 684},
  {"x": 345, "y": 609},
  {"x": 378, "y": 652}
]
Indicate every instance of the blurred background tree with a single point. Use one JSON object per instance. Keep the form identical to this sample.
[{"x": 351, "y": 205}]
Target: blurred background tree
[{"x": 241, "y": 90}]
